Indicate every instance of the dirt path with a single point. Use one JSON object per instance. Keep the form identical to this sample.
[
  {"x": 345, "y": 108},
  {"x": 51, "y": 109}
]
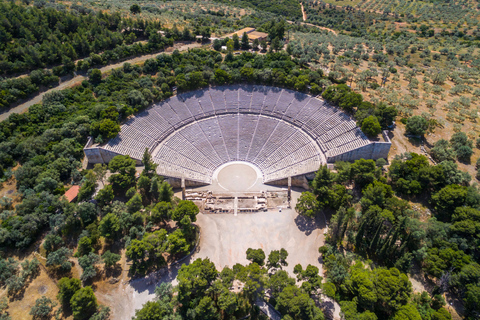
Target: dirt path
[
  {"x": 313, "y": 25},
  {"x": 304, "y": 15},
  {"x": 21, "y": 108}
]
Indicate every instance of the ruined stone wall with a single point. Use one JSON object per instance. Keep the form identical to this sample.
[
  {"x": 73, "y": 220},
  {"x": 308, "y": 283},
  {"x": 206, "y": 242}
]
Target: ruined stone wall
[
  {"x": 374, "y": 150},
  {"x": 100, "y": 155}
]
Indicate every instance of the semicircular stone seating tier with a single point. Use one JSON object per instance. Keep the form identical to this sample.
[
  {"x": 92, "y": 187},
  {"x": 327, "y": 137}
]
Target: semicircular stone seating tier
[{"x": 283, "y": 132}]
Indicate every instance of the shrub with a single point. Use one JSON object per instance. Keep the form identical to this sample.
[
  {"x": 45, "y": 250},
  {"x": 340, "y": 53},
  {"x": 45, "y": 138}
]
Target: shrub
[
  {"x": 43, "y": 308},
  {"x": 416, "y": 125},
  {"x": 83, "y": 303},
  {"x": 66, "y": 289},
  {"x": 371, "y": 127}
]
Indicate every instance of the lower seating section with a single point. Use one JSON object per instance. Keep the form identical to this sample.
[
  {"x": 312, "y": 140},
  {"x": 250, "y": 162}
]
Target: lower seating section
[
  {"x": 282, "y": 131},
  {"x": 196, "y": 150}
]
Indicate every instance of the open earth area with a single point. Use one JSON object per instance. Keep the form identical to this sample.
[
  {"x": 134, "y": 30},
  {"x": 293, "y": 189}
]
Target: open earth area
[{"x": 239, "y": 159}]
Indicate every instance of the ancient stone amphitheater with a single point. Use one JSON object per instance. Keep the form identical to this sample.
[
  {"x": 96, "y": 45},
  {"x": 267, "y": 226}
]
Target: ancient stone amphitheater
[{"x": 283, "y": 132}]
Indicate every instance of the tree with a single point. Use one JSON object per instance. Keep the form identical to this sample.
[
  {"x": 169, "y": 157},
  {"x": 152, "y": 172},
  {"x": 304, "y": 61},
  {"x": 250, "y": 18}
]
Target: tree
[
  {"x": 135, "y": 8},
  {"x": 149, "y": 166},
  {"x": 263, "y": 44},
  {"x": 393, "y": 289},
  {"x": 43, "y": 308},
  {"x": 307, "y": 205},
  {"x": 407, "y": 312},
  {"x": 245, "y": 45},
  {"x": 106, "y": 128},
  {"x": 206, "y": 310},
  {"x": 194, "y": 280},
  {"x": 277, "y": 258},
  {"x": 185, "y": 209},
  {"x": 83, "y": 303},
  {"x": 447, "y": 200},
  {"x": 279, "y": 281},
  {"x": 84, "y": 246},
  {"x": 105, "y": 196},
  {"x": 297, "y": 304},
  {"x": 88, "y": 187},
  {"x": 161, "y": 212},
  {"x": 236, "y": 42},
  {"x": 135, "y": 203},
  {"x": 256, "y": 256},
  {"x": 255, "y": 44},
  {"x": 222, "y": 77},
  {"x": 110, "y": 259},
  {"x": 364, "y": 172},
  {"x": 472, "y": 301},
  {"x": 462, "y": 146},
  {"x": 217, "y": 45},
  {"x": 66, "y": 289},
  {"x": 60, "y": 258},
  {"x": 124, "y": 169},
  {"x": 416, "y": 125},
  {"x": 95, "y": 76},
  {"x": 88, "y": 262},
  {"x": 464, "y": 153},
  {"x": 441, "y": 314},
  {"x": 371, "y": 127},
  {"x": 376, "y": 194},
  {"x": 103, "y": 313},
  {"x": 52, "y": 242},
  {"x": 165, "y": 192},
  {"x": 453, "y": 175},
  {"x": 177, "y": 243},
  {"x": 254, "y": 279},
  {"x": 87, "y": 212},
  {"x": 227, "y": 302},
  {"x": 385, "y": 114},
  {"x": 311, "y": 277},
  {"x": 152, "y": 310},
  {"x": 442, "y": 151},
  {"x": 148, "y": 251},
  {"x": 109, "y": 226}
]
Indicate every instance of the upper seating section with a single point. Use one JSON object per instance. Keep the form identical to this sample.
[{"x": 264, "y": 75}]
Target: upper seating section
[{"x": 242, "y": 138}]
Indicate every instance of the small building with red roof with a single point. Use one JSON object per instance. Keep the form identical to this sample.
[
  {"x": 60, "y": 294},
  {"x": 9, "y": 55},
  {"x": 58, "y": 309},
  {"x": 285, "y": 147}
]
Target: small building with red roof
[{"x": 72, "y": 193}]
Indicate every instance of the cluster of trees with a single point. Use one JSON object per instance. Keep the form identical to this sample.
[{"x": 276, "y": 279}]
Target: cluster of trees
[
  {"x": 12, "y": 90},
  {"x": 205, "y": 293},
  {"x": 16, "y": 279},
  {"x": 370, "y": 118},
  {"x": 80, "y": 301},
  {"x": 283, "y": 8},
  {"x": 348, "y": 19},
  {"x": 276, "y": 34},
  {"x": 388, "y": 231},
  {"x": 38, "y": 37},
  {"x": 148, "y": 202},
  {"x": 366, "y": 292},
  {"x": 459, "y": 147}
]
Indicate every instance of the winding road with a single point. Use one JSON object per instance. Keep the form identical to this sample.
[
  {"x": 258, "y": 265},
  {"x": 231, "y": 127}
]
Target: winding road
[{"x": 21, "y": 108}]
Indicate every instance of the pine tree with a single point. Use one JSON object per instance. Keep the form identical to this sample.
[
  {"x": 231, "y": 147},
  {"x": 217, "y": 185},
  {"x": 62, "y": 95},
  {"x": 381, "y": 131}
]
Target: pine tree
[
  {"x": 150, "y": 166},
  {"x": 245, "y": 44}
]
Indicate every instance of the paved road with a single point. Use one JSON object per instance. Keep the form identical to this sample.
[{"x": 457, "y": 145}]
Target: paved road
[{"x": 78, "y": 79}]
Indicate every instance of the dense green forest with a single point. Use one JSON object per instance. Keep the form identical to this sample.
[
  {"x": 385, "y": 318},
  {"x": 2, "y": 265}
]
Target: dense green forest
[
  {"x": 35, "y": 37},
  {"x": 379, "y": 224}
]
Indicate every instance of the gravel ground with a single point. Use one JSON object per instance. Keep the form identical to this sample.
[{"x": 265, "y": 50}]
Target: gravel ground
[{"x": 224, "y": 240}]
